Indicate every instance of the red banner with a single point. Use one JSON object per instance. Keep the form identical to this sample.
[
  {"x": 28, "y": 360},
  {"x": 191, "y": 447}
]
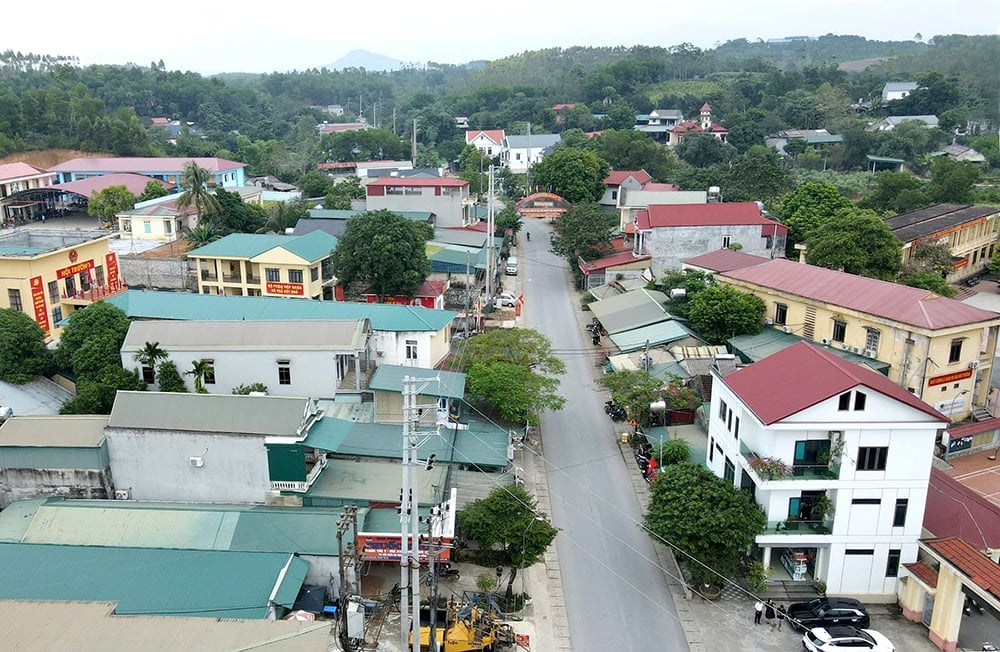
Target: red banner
[
  {"x": 286, "y": 289},
  {"x": 66, "y": 272},
  {"x": 949, "y": 378},
  {"x": 111, "y": 266},
  {"x": 386, "y": 547},
  {"x": 38, "y": 300}
]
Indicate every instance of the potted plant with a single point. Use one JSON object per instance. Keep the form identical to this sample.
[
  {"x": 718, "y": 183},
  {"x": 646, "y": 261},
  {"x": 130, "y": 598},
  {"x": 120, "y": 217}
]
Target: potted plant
[
  {"x": 821, "y": 508},
  {"x": 769, "y": 468}
]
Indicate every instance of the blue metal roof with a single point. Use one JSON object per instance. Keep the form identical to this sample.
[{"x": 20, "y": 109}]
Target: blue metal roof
[
  {"x": 389, "y": 378},
  {"x": 152, "y": 304}
]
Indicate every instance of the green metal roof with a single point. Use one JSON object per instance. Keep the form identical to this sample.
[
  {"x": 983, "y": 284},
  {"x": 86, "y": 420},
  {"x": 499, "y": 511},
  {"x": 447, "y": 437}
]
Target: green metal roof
[
  {"x": 328, "y": 434},
  {"x": 372, "y": 481},
  {"x": 215, "y": 413},
  {"x": 151, "y": 304},
  {"x": 630, "y": 310},
  {"x": 389, "y": 378},
  {"x": 201, "y": 583},
  {"x": 663, "y": 332},
  {"x": 311, "y": 247},
  {"x": 751, "y": 348},
  {"x": 126, "y": 524},
  {"x": 340, "y": 214},
  {"x": 883, "y": 159},
  {"x": 456, "y": 257}
]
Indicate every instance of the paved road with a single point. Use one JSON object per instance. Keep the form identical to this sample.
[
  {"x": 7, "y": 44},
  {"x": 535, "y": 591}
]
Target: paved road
[{"x": 616, "y": 595}]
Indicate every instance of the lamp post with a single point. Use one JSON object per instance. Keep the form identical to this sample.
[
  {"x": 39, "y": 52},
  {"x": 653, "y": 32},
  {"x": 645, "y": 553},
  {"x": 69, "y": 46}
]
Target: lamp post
[{"x": 524, "y": 543}]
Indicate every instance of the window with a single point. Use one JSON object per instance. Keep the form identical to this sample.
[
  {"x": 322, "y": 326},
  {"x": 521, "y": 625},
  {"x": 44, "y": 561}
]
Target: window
[
  {"x": 411, "y": 349},
  {"x": 892, "y": 563},
  {"x": 209, "y": 378},
  {"x": 726, "y": 239},
  {"x": 614, "y": 194},
  {"x": 147, "y": 227},
  {"x": 99, "y": 275},
  {"x": 860, "y": 398},
  {"x": 736, "y": 430},
  {"x": 722, "y": 410},
  {"x": 899, "y": 519},
  {"x": 857, "y": 551},
  {"x": 871, "y": 340},
  {"x": 295, "y": 276},
  {"x": 56, "y": 315},
  {"x": 168, "y": 227},
  {"x": 314, "y": 274},
  {"x": 844, "y": 402},
  {"x": 85, "y": 281},
  {"x": 53, "y": 291},
  {"x": 148, "y": 375},
  {"x": 284, "y": 372},
  {"x": 839, "y": 330},
  {"x": 872, "y": 458},
  {"x": 866, "y": 501},
  {"x": 273, "y": 274},
  {"x": 955, "y": 352},
  {"x": 780, "y": 313},
  {"x": 14, "y": 298},
  {"x": 729, "y": 421},
  {"x": 711, "y": 450},
  {"x": 127, "y": 226},
  {"x": 730, "y": 473}
]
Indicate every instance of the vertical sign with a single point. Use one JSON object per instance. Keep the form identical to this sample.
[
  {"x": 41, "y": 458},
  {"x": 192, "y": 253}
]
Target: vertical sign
[
  {"x": 38, "y": 300},
  {"x": 111, "y": 265}
]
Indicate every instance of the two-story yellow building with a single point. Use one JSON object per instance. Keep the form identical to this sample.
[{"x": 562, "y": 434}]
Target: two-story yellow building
[
  {"x": 49, "y": 273},
  {"x": 970, "y": 233},
  {"x": 254, "y": 265},
  {"x": 937, "y": 348}
]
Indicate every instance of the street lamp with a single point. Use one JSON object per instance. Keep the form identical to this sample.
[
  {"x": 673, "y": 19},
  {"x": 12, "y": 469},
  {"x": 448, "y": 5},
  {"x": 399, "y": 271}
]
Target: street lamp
[{"x": 524, "y": 543}]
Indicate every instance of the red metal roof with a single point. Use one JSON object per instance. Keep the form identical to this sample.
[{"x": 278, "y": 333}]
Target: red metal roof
[
  {"x": 706, "y": 107},
  {"x": 336, "y": 127},
  {"x": 923, "y": 572},
  {"x": 660, "y": 187},
  {"x": 496, "y": 135},
  {"x": 973, "y": 428},
  {"x": 956, "y": 510},
  {"x": 139, "y": 164},
  {"x": 623, "y": 258},
  {"x": 978, "y": 567},
  {"x": 19, "y": 170},
  {"x": 670, "y": 215},
  {"x": 560, "y": 107},
  {"x": 135, "y": 183},
  {"x": 725, "y": 260},
  {"x": 343, "y": 165},
  {"x": 617, "y": 177},
  {"x": 418, "y": 182},
  {"x": 892, "y": 301},
  {"x": 803, "y": 375}
]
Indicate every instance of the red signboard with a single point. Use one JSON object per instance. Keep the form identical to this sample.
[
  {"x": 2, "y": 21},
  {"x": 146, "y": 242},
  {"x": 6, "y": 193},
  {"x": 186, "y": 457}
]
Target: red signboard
[
  {"x": 66, "y": 272},
  {"x": 426, "y": 302},
  {"x": 111, "y": 264},
  {"x": 38, "y": 300},
  {"x": 285, "y": 289},
  {"x": 949, "y": 378},
  {"x": 385, "y": 547}
]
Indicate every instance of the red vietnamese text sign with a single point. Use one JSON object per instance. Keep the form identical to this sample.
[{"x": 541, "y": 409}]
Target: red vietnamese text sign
[
  {"x": 949, "y": 378},
  {"x": 38, "y": 300},
  {"x": 288, "y": 289},
  {"x": 66, "y": 272},
  {"x": 111, "y": 264}
]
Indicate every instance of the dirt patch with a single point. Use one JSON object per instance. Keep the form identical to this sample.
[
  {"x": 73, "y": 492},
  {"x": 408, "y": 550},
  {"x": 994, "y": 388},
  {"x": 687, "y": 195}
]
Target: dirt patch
[
  {"x": 174, "y": 249},
  {"x": 860, "y": 64},
  {"x": 47, "y": 158}
]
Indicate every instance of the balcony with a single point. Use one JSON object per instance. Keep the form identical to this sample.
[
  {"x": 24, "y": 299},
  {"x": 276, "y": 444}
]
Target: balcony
[
  {"x": 300, "y": 486},
  {"x": 208, "y": 276},
  {"x": 95, "y": 293},
  {"x": 799, "y": 527},
  {"x": 770, "y": 469}
]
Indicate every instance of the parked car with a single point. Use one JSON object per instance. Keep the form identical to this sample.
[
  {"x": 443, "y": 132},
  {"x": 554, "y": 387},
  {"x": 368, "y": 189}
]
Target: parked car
[
  {"x": 506, "y": 299},
  {"x": 845, "y": 637},
  {"x": 824, "y": 612},
  {"x": 510, "y": 269}
]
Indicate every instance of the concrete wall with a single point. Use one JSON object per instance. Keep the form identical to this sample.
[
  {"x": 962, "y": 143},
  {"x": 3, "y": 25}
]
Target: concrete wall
[
  {"x": 161, "y": 273},
  {"x": 431, "y": 347},
  {"x": 22, "y": 484},
  {"x": 447, "y": 207},
  {"x": 669, "y": 246},
  {"x": 155, "y": 465}
]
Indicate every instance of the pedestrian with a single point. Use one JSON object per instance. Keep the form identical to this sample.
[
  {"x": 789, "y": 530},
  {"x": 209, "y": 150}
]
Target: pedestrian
[
  {"x": 781, "y": 615},
  {"x": 527, "y": 234},
  {"x": 499, "y": 574},
  {"x": 758, "y": 610},
  {"x": 769, "y": 613}
]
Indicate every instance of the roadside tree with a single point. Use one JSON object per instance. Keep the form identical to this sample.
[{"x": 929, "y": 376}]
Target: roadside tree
[
  {"x": 384, "y": 252},
  {"x": 583, "y": 231},
  {"x": 23, "y": 356},
  {"x": 577, "y": 175},
  {"x": 720, "y": 312},
  {"x": 506, "y": 522}
]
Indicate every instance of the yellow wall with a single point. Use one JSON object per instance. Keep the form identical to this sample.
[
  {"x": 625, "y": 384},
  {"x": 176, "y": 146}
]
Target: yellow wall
[
  {"x": 974, "y": 242},
  {"x": 245, "y": 276}
]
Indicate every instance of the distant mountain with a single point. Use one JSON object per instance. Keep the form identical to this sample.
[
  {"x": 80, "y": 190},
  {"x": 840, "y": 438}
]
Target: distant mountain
[{"x": 367, "y": 60}]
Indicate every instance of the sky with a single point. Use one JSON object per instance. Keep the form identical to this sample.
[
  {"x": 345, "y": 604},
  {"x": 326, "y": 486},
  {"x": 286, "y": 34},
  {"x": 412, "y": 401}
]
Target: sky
[{"x": 257, "y": 36}]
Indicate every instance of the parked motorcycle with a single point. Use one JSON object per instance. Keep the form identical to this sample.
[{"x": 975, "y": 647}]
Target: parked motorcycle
[
  {"x": 615, "y": 411},
  {"x": 445, "y": 570}
]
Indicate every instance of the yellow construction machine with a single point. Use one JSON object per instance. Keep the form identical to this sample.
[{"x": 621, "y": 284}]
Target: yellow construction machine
[{"x": 469, "y": 627}]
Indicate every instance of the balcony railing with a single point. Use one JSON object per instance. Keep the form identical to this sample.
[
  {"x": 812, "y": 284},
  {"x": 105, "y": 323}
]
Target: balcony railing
[
  {"x": 299, "y": 486},
  {"x": 95, "y": 293},
  {"x": 207, "y": 276},
  {"x": 796, "y": 471},
  {"x": 799, "y": 527}
]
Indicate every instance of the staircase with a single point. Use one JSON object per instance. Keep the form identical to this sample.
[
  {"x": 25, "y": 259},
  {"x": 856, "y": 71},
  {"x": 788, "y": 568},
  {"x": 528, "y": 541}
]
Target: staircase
[{"x": 980, "y": 413}]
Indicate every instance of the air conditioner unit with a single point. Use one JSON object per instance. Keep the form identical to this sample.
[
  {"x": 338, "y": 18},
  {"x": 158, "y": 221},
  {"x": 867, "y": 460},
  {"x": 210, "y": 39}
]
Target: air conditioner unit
[
  {"x": 974, "y": 364},
  {"x": 768, "y": 321},
  {"x": 857, "y": 349},
  {"x": 825, "y": 340},
  {"x": 196, "y": 462},
  {"x": 870, "y": 353},
  {"x": 123, "y": 494},
  {"x": 787, "y": 329},
  {"x": 846, "y": 347}
]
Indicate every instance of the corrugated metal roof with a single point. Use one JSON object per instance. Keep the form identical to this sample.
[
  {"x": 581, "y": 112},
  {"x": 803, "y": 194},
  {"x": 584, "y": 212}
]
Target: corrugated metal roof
[
  {"x": 201, "y": 583},
  {"x": 151, "y": 304},
  {"x": 630, "y": 310},
  {"x": 662, "y": 332},
  {"x": 127, "y": 524},
  {"x": 28, "y": 627},
  {"x": 143, "y": 165},
  {"x": 373, "y": 481},
  {"x": 389, "y": 378},
  {"x": 321, "y": 335},
  {"x": 769, "y": 341},
  {"x": 250, "y": 415},
  {"x": 804, "y": 375},
  {"x": 135, "y": 183},
  {"x": 936, "y": 219},
  {"x": 73, "y": 431},
  {"x": 914, "y": 306},
  {"x": 724, "y": 260},
  {"x": 311, "y": 247}
]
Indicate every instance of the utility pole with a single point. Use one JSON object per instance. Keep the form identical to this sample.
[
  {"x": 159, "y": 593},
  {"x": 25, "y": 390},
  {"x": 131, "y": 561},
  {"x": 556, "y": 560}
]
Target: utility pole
[
  {"x": 528, "y": 173},
  {"x": 434, "y": 521},
  {"x": 490, "y": 242},
  {"x": 413, "y": 144},
  {"x": 346, "y": 555},
  {"x": 468, "y": 294}
]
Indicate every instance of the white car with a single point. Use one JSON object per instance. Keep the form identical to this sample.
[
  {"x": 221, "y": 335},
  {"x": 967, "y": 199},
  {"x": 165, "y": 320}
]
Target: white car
[
  {"x": 506, "y": 299},
  {"x": 841, "y": 638}
]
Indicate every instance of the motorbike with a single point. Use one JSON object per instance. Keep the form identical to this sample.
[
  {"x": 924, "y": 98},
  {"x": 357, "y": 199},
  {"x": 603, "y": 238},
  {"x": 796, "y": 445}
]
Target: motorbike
[
  {"x": 445, "y": 570},
  {"x": 615, "y": 411}
]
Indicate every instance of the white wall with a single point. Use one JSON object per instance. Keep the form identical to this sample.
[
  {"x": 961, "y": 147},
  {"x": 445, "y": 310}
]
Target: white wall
[
  {"x": 155, "y": 465},
  {"x": 669, "y": 246},
  {"x": 393, "y": 349}
]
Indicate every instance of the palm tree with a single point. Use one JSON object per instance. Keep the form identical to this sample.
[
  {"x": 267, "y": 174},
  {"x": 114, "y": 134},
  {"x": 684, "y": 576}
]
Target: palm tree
[
  {"x": 197, "y": 182},
  {"x": 280, "y": 216},
  {"x": 199, "y": 369},
  {"x": 201, "y": 235},
  {"x": 148, "y": 356}
]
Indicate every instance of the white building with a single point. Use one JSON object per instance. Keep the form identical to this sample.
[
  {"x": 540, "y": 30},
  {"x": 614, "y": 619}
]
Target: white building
[
  {"x": 291, "y": 358},
  {"x": 521, "y": 152},
  {"x": 488, "y": 141},
  {"x": 447, "y": 198},
  {"x": 898, "y": 90},
  {"x": 804, "y": 427}
]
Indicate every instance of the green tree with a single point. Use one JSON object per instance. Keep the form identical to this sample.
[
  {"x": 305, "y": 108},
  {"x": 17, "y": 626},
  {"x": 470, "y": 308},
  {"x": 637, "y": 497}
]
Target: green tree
[
  {"x": 199, "y": 369},
  {"x": 246, "y": 390},
  {"x": 343, "y": 192},
  {"x": 196, "y": 182},
  {"x": 514, "y": 372},
  {"x": 635, "y": 390},
  {"x": 170, "y": 378},
  {"x": 507, "y": 220},
  {"x": 472, "y": 167},
  {"x": 505, "y": 521},
  {"x": 720, "y": 312},
  {"x": 757, "y": 175},
  {"x": 674, "y": 451},
  {"x": 283, "y": 215},
  {"x": 314, "y": 184},
  {"x": 628, "y": 149},
  {"x": 385, "y": 252},
  {"x": 576, "y": 175},
  {"x": 706, "y": 520},
  {"x": 952, "y": 181},
  {"x": 23, "y": 356},
  {"x": 152, "y": 190},
  {"x": 96, "y": 395},
  {"x": 692, "y": 281},
  {"x": 93, "y": 322},
  {"x": 585, "y": 231},
  {"x": 704, "y": 150},
  {"x": 149, "y": 356},
  {"x": 201, "y": 235},
  {"x": 857, "y": 242},
  {"x": 109, "y": 202},
  {"x": 233, "y": 215},
  {"x": 896, "y": 192},
  {"x": 808, "y": 206},
  {"x": 929, "y": 281}
]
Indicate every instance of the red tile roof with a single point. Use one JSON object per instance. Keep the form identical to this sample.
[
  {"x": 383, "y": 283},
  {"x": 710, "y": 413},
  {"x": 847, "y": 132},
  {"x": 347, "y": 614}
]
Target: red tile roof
[
  {"x": 726, "y": 214},
  {"x": 955, "y": 510},
  {"x": 135, "y": 183},
  {"x": 978, "y": 567},
  {"x": 706, "y": 107},
  {"x": 691, "y": 125},
  {"x": 660, "y": 187},
  {"x": 617, "y": 177},
  {"x": 343, "y": 165},
  {"x": 139, "y": 164},
  {"x": 18, "y": 170},
  {"x": 623, "y": 258},
  {"x": 496, "y": 135},
  {"x": 892, "y": 301},
  {"x": 923, "y": 572},
  {"x": 336, "y": 127},
  {"x": 803, "y": 375},
  {"x": 418, "y": 182},
  {"x": 560, "y": 107},
  {"x": 725, "y": 260},
  {"x": 973, "y": 428},
  {"x": 161, "y": 122}
]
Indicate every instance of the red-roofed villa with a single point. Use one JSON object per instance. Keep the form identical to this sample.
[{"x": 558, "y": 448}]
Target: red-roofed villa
[{"x": 703, "y": 125}]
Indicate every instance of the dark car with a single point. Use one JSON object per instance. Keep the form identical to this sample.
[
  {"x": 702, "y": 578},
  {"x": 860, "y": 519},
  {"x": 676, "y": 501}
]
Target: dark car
[{"x": 824, "y": 612}]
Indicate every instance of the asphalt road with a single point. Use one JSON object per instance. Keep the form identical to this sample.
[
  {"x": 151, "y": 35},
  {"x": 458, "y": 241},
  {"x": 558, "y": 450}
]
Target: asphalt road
[{"x": 616, "y": 596}]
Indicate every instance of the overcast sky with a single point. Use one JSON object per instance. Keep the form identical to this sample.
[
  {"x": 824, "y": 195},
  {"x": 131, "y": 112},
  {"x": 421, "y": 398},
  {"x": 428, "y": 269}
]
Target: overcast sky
[{"x": 257, "y": 36}]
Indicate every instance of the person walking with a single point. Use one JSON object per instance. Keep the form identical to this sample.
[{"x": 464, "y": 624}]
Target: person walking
[
  {"x": 769, "y": 613},
  {"x": 758, "y": 610},
  {"x": 781, "y": 615}
]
